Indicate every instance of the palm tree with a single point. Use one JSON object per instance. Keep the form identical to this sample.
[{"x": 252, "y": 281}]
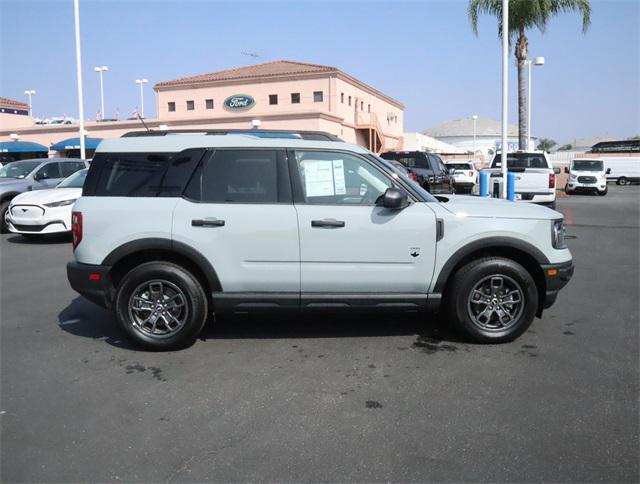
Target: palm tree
[
  {"x": 525, "y": 15},
  {"x": 545, "y": 144}
]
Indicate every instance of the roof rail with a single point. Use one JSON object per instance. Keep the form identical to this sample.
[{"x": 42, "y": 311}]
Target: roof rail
[{"x": 260, "y": 133}]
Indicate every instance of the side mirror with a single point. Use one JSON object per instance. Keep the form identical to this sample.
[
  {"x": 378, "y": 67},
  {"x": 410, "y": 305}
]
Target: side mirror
[
  {"x": 37, "y": 176},
  {"x": 395, "y": 199},
  {"x": 566, "y": 169},
  {"x": 608, "y": 171},
  {"x": 556, "y": 171}
]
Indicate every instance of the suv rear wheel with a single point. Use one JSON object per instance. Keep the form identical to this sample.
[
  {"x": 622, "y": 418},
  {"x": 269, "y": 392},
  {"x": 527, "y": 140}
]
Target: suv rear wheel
[
  {"x": 161, "y": 306},
  {"x": 492, "y": 300}
]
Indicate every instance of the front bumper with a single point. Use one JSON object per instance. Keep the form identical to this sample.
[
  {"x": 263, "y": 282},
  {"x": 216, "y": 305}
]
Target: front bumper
[
  {"x": 556, "y": 277},
  {"x": 91, "y": 281},
  {"x": 600, "y": 186},
  {"x": 36, "y": 219}
]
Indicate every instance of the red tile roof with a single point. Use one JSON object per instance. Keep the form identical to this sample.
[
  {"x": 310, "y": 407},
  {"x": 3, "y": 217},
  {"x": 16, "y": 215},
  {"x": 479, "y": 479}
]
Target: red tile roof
[
  {"x": 7, "y": 103},
  {"x": 265, "y": 70}
]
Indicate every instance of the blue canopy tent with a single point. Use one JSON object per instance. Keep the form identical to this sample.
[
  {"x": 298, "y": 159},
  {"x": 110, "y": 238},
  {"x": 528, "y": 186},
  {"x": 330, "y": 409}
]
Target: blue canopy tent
[
  {"x": 21, "y": 150},
  {"x": 70, "y": 147},
  {"x": 74, "y": 144}
]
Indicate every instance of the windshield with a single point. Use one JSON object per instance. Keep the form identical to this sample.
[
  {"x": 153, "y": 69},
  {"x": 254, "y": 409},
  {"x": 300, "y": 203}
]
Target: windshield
[
  {"x": 521, "y": 160},
  {"x": 587, "y": 165},
  {"x": 18, "y": 169},
  {"x": 459, "y": 166},
  {"x": 74, "y": 181}
]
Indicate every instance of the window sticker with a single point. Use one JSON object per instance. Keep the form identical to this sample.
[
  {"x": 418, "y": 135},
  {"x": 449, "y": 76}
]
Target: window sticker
[
  {"x": 318, "y": 178},
  {"x": 338, "y": 177}
]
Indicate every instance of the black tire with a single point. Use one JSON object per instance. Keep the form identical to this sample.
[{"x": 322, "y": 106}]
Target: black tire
[
  {"x": 567, "y": 191},
  {"x": 459, "y": 306},
  {"x": 603, "y": 192},
  {"x": 192, "y": 313},
  {"x": 551, "y": 205},
  {"x": 623, "y": 181},
  {"x": 4, "y": 228}
]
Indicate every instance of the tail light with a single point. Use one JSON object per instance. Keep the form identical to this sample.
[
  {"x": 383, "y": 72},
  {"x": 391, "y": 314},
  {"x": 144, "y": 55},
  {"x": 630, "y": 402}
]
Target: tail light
[
  {"x": 76, "y": 228},
  {"x": 470, "y": 173},
  {"x": 552, "y": 180},
  {"x": 413, "y": 176}
]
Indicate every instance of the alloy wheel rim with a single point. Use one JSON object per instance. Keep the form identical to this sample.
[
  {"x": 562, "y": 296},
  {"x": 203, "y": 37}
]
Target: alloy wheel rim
[
  {"x": 495, "y": 303},
  {"x": 158, "y": 308}
]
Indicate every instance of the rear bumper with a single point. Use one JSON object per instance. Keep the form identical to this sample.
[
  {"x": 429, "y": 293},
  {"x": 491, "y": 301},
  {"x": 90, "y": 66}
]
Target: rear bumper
[
  {"x": 556, "y": 277},
  {"x": 91, "y": 281}
]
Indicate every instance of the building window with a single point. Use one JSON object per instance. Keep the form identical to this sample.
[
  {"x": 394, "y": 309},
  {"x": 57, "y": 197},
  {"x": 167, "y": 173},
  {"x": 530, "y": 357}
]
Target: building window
[
  {"x": 342, "y": 97},
  {"x": 209, "y": 103},
  {"x": 361, "y": 105},
  {"x": 190, "y": 105},
  {"x": 295, "y": 98},
  {"x": 349, "y": 100},
  {"x": 369, "y": 107},
  {"x": 273, "y": 99},
  {"x": 317, "y": 96},
  {"x": 172, "y": 106}
]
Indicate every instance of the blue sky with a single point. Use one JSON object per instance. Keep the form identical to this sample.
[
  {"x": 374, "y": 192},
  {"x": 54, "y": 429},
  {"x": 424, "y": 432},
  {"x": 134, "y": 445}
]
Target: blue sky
[{"x": 420, "y": 52}]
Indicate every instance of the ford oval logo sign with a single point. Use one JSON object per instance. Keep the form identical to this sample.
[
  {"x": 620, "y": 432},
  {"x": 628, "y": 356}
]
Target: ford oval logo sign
[{"x": 239, "y": 101}]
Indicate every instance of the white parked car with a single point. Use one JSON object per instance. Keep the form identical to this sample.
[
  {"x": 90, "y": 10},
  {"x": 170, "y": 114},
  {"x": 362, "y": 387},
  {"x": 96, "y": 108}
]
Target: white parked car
[
  {"x": 44, "y": 212},
  {"x": 171, "y": 229},
  {"x": 535, "y": 177},
  {"x": 587, "y": 176},
  {"x": 464, "y": 174}
]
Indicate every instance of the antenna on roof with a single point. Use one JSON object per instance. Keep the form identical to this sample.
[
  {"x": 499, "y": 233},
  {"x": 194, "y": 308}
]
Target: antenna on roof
[
  {"x": 253, "y": 55},
  {"x": 142, "y": 121}
]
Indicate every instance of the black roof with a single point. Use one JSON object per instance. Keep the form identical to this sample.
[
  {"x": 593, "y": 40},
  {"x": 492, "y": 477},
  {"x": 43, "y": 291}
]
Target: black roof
[{"x": 622, "y": 146}]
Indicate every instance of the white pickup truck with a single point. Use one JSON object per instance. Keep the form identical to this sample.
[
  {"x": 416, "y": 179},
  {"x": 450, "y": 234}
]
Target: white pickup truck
[{"x": 535, "y": 177}]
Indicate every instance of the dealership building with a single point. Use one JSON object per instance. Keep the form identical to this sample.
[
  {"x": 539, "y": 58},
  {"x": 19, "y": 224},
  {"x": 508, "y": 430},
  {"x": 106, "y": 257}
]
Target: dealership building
[{"x": 282, "y": 95}]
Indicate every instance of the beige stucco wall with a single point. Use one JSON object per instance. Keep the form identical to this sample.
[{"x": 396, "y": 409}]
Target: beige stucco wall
[{"x": 11, "y": 121}]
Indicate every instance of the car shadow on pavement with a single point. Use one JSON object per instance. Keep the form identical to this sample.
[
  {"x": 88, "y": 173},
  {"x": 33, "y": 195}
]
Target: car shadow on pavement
[
  {"x": 40, "y": 240},
  {"x": 83, "y": 318}
]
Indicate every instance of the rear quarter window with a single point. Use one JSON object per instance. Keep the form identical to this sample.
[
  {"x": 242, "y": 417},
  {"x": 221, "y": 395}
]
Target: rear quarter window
[{"x": 140, "y": 174}]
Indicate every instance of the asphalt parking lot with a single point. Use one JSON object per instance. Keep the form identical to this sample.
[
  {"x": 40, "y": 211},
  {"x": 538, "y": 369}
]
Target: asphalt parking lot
[{"x": 364, "y": 398}]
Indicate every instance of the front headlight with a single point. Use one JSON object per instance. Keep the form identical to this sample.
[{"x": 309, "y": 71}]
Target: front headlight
[
  {"x": 61, "y": 203},
  {"x": 557, "y": 234},
  {"x": 573, "y": 177}
]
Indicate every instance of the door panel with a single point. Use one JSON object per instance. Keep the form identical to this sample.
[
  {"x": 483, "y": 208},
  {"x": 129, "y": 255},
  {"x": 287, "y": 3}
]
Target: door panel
[
  {"x": 371, "y": 252},
  {"x": 255, "y": 250}
]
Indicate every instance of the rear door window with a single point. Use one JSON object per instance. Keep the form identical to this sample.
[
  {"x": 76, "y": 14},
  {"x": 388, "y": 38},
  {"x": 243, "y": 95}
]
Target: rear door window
[
  {"x": 521, "y": 161},
  {"x": 240, "y": 176}
]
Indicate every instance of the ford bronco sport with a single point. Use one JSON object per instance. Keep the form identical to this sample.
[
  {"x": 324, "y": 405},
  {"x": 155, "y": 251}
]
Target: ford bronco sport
[{"x": 172, "y": 229}]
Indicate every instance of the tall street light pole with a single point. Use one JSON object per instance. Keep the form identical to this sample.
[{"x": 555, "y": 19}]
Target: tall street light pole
[
  {"x": 142, "y": 82},
  {"x": 538, "y": 61},
  {"x": 76, "y": 15},
  {"x": 101, "y": 70},
  {"x": 505, "y": 92},
  {"x": 475, "y": 120},
  {"x": 30, "y": 92}
]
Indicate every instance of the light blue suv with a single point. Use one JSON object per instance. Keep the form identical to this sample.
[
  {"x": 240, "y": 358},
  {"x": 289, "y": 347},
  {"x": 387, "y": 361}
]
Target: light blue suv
[{"x": 38, "y": 174}]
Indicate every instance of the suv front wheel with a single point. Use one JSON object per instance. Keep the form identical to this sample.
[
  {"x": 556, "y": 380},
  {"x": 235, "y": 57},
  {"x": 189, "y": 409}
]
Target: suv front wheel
[
  {"x": 492, "y": 300},
  {"x": 161, "y": 306}
]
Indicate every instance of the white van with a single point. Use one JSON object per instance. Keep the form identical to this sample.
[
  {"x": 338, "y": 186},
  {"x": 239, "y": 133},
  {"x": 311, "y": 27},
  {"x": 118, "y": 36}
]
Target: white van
[
  {"x": 587, "y": 175},
  {"x": 622, "y": 157}
]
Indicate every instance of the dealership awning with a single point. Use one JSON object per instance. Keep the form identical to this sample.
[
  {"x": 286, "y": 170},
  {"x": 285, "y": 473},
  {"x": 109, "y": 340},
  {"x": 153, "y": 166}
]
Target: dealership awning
[
  {"x": 74, "y": 144},
  {"x": 22, "y": 147}
]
